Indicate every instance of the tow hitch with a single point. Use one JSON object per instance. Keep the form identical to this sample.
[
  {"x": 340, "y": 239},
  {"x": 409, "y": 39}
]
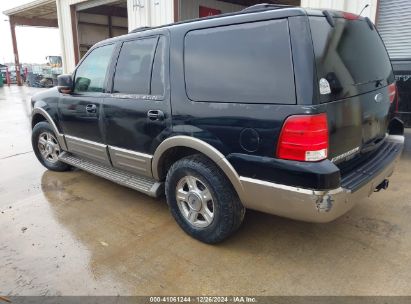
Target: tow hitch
[{"x": 382, "y": 186}]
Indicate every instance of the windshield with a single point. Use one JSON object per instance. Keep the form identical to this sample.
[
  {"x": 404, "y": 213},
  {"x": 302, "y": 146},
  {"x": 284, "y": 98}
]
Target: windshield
[{"x": 350, "y": 56}]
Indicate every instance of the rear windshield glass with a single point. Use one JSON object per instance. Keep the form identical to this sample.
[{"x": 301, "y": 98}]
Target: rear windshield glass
[
  {"x": 350, "y": 56},
  {"x": 244, "y": 63}
]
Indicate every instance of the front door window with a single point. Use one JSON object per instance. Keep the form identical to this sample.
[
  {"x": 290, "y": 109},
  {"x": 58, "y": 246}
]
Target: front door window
[{"x": 91, "y": 73}]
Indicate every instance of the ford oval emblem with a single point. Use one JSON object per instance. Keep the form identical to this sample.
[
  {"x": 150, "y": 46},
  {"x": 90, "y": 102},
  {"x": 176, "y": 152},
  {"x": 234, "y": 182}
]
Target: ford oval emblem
[{"x": 378, "y": 97}]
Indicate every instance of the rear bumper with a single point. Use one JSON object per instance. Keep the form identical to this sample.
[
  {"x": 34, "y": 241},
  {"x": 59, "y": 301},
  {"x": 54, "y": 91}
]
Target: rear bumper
[{"x": 311, "y": 205}]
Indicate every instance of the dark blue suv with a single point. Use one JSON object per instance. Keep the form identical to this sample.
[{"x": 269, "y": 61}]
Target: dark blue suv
[{"x": 278, "y": 109}]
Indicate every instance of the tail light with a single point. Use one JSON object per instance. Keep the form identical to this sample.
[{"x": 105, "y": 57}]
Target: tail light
[
  {"x": 392, "y": 91},
  {"x": 304, "y": 138}
]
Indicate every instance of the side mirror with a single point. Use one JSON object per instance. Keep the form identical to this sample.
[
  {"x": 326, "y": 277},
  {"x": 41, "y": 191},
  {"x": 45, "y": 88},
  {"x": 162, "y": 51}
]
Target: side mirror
[{"x": 65, "y": 84}]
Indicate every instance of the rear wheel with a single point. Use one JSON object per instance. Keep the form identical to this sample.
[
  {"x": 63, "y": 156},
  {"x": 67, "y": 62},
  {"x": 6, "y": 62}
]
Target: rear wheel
[
  {"x": 46, "y": 147},
  {"x": 202, "y": 200}
]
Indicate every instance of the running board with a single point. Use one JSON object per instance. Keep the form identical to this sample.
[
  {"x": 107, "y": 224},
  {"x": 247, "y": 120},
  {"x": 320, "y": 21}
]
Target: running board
[{"x": 143, "y": 184}]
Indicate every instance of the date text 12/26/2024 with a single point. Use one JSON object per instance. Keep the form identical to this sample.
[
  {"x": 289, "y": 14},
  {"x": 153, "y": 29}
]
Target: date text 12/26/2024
[{"x": 204, "y": 299}]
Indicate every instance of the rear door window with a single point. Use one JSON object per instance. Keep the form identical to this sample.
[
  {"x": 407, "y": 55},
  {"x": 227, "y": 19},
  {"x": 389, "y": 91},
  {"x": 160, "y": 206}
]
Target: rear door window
[
  {"x": 244, "y": 63},
  {"x": 350, "y": 56},
  {"x": 134, "y": 65}
]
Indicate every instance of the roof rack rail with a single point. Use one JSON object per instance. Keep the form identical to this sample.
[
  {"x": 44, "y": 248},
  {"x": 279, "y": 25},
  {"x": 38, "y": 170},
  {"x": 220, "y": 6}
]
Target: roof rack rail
[
  {"x": 264, "y": 7},
  {"x": 140, "y": 29}
]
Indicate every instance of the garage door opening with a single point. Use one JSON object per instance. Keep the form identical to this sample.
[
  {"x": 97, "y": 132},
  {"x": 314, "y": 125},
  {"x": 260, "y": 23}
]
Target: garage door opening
[{"x": 96, "y": 21}]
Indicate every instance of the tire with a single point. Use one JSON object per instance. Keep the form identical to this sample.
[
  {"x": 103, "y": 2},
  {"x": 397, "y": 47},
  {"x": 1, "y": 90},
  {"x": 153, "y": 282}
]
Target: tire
[
  {"x": 44, "y": 141},
  {"x": 207, "y": 206}
]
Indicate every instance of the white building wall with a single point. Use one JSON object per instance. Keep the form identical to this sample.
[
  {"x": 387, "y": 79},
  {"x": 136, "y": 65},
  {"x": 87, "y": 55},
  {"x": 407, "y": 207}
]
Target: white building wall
[
  {"x": 66, "y": 35},
  {"x": 149, "y": 13},
  {"x": 351, "y": 6}
]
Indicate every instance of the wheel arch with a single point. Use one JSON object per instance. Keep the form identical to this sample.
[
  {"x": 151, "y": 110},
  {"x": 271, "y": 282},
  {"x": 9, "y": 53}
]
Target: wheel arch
[
  {"x": 197, "y": 146},
  {"x": 38, "y": 115},
  {"x": 36, "y": 118}
]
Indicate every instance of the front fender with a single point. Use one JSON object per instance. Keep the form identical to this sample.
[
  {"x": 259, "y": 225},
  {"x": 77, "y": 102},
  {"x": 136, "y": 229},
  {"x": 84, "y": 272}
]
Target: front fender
[{"x": 41, "y": 111}]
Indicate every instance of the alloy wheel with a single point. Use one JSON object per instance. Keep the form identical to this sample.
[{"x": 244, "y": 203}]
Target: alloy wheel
[
  {"x": 48, "y": 147},
  {"x": 195, "y": 201}
]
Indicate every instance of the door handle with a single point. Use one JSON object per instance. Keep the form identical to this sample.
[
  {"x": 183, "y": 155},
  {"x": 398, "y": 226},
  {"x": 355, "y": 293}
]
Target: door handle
[
  {"x": 91, "y": 108},
  {"x": 155, "y": 115}
]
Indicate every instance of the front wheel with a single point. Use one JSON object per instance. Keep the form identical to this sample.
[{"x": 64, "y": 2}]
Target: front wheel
[
  {"x": 46, "y": 147},
  {"x": 202, "y": 200}
]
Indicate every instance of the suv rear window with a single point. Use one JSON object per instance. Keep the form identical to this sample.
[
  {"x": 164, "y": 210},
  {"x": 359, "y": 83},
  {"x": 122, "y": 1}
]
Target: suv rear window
[
  {"x": 244, "y": 63},
  {"x": 351, "y": 56}
]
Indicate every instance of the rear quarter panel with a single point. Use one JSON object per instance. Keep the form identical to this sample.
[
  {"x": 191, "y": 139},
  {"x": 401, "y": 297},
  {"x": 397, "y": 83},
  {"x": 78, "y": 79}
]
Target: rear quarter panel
[{"x": 219, "y": 123}]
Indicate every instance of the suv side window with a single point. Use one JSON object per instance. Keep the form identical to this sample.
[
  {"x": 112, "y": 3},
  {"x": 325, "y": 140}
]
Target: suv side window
[
  {"x": 249, "y": 63},
  {"x": 91, "y": 73},
  {"x": 159, "y": 68},
  {"x": 133, "y": 70}
]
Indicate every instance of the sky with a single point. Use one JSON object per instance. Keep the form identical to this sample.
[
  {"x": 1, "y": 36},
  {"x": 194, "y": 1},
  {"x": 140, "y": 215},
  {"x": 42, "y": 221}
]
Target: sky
[{"x": 34, "y": 43}]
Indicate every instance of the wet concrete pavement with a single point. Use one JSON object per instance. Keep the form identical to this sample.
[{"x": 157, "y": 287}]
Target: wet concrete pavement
[{"x": 76, "y": 234}]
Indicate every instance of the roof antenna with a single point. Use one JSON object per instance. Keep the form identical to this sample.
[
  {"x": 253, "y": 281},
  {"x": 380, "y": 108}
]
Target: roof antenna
[{"x": 367, "y": 5}]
